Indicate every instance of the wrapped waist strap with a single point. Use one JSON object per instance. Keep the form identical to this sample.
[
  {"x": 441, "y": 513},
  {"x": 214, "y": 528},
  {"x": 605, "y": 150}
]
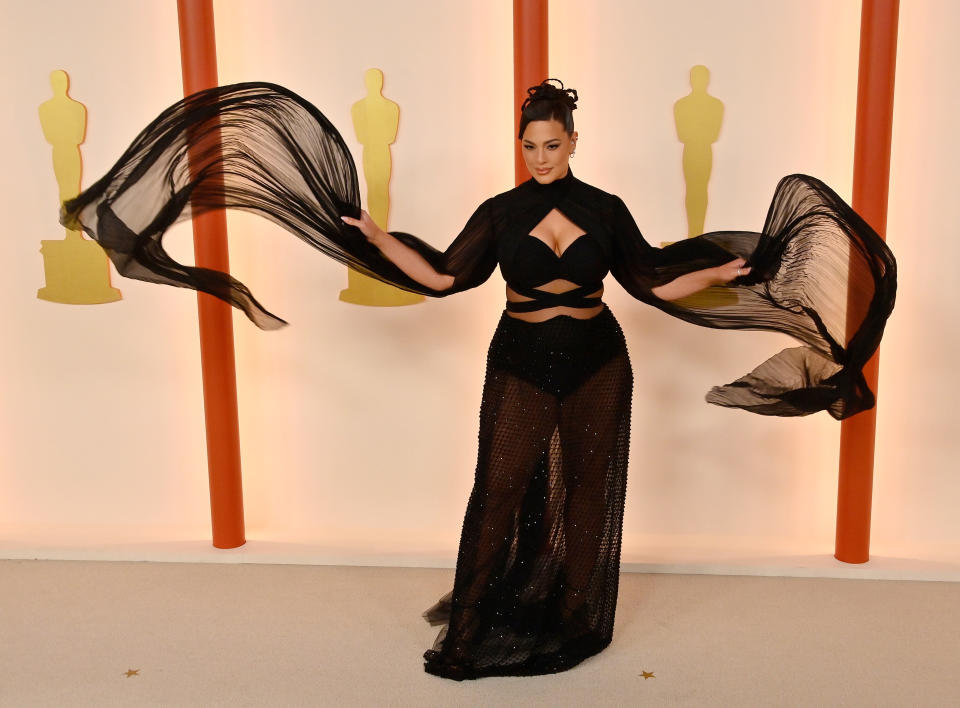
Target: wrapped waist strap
[{"x": 543, "y": 299}]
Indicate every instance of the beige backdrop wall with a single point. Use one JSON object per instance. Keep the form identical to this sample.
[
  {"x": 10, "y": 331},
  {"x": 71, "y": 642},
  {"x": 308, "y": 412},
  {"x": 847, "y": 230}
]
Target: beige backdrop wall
[{"x": 358, "y": 424}]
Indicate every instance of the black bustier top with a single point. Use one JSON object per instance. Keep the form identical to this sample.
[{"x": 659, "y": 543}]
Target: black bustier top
[{"x": 534, "y": 263}]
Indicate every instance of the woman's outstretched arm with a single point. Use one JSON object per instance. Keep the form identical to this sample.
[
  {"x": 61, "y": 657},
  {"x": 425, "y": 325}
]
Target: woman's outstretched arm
[
  {"x": 404, "y": 257},
  {"x": 694, "y": 282}
]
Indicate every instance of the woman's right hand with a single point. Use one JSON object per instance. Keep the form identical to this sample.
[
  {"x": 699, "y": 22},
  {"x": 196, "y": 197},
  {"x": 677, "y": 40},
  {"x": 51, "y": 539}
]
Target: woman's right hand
[{"x": 366, "y": 225}]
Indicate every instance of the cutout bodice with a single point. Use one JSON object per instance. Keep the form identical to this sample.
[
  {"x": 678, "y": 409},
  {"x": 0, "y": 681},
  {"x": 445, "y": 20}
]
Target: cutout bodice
[{"x": 534, "y": 263}]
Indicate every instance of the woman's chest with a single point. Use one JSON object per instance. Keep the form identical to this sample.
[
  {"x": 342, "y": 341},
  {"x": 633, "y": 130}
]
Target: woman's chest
[{"x": 580, "y": 251}]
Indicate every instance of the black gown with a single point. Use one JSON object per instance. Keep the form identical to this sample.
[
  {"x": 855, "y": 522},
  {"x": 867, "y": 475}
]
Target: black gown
[{"x": 537, "y": 573}]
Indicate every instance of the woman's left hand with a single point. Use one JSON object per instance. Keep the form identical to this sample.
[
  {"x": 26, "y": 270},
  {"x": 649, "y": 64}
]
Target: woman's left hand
[{"x": 728, "y": 271}]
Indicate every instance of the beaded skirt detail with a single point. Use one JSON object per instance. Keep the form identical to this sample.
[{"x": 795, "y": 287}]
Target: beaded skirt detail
[{"x": 535, "y": 588}]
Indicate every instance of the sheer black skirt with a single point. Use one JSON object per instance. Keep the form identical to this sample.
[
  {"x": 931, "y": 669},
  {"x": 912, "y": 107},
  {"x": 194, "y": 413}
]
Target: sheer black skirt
[{"x": 538, "y": 568}]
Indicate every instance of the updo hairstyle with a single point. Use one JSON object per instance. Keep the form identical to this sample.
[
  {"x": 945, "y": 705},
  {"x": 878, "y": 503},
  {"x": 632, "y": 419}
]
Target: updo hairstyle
[{"x": 548, "y": 102}]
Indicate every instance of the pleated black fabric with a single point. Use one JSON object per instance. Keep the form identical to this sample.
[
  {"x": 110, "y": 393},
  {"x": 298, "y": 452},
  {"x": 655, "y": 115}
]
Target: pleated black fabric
[
  {"x": 262, "y": 148},
  {"x": 536, "y": 581}
]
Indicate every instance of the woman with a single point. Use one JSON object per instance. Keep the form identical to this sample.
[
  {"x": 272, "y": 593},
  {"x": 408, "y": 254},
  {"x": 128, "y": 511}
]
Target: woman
[
  {"x": 537, "y": 574},
  {"x": 554, "y": 421}
]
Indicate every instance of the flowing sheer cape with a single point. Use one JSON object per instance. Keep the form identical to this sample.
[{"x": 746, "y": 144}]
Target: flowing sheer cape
[{"x": 819, "y": 272}]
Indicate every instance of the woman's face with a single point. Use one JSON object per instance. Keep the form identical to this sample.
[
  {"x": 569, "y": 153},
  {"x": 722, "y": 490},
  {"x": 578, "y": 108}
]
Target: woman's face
[{"x": 546, "y": 149}]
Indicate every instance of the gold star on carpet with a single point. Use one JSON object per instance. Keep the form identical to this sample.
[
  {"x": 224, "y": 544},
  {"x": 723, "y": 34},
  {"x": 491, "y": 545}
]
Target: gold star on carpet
[
  {"x": 132, "y": 672},
  {"x": 647, "y": 674}
]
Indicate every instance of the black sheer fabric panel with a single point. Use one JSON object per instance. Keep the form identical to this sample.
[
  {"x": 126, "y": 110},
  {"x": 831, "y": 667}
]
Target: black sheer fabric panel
[
  {"x": 538, "y": 569},
  {"x": 261, "y": 148},
  {"x": 819, "y": 273}
]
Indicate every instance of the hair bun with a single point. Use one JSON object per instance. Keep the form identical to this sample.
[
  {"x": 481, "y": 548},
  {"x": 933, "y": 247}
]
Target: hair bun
[{"x": 546, "y": 91}]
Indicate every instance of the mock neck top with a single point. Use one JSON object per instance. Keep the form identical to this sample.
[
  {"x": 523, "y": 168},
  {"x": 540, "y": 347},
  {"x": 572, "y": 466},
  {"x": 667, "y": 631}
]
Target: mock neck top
[
  {"x": 554, "y": 189},
  {"x": 534, "y": 263}
]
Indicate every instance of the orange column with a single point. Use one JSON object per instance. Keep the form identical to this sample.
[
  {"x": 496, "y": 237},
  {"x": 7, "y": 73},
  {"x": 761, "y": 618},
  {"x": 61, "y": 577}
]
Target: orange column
[
  {"x": 529, "y": 61},
  {"x": 871, "y": 175},
  {"x": 198, "y": 57}
]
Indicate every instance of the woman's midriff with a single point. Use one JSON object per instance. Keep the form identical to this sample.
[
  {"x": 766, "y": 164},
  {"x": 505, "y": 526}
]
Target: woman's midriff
[{"x": 554, "y": 286}]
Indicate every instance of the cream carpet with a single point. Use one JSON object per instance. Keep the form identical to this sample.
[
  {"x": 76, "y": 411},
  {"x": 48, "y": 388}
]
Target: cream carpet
[{"x": 72, "y": 633}]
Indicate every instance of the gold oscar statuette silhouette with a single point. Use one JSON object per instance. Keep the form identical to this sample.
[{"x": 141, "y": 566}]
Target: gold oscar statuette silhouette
[
  {"x": 375, "y": 120},
  {"x": 698, "y": 117},
  {"x": 76, "y": 269}
]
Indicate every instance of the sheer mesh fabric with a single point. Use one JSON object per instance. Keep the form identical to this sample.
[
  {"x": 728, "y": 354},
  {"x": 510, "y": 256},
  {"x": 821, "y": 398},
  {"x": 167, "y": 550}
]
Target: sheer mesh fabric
[
  {"x": 538, "y": 568},
  {"x": 537, "y": 571}
]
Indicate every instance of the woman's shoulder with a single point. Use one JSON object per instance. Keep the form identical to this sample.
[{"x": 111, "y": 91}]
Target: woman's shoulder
[
  {"x": 595, "y": 192},
  {"x": 510, "y": 201},
  {"x": 590, "y": 195},
  {"x": 510, "y": 194}
]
